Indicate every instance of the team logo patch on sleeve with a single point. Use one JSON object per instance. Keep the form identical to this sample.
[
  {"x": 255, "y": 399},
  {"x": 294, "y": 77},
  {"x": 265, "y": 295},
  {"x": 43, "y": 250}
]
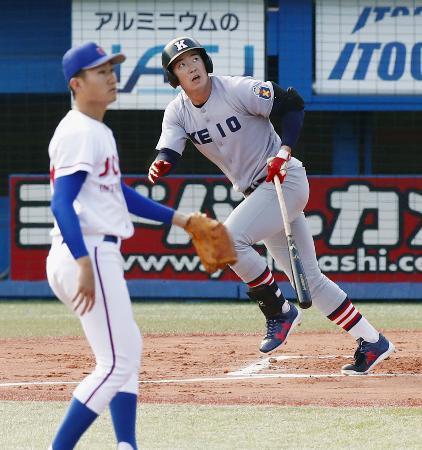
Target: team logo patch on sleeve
[{"x": 260, "y": 90}]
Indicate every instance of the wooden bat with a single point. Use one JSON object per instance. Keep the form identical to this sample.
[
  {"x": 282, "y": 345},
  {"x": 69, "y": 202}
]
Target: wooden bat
[{"x": 299, "y": 278}]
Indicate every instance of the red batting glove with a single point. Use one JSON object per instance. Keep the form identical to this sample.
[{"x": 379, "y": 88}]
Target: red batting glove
[
  {"x": 158, "y": 169},
  {"x": 277, "y": 166}
]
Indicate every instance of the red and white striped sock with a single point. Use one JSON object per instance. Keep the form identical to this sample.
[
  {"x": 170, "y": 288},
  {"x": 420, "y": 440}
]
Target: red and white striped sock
[
  {"x": 351, "y": 320},
  {"x": 267, "y": 277}
]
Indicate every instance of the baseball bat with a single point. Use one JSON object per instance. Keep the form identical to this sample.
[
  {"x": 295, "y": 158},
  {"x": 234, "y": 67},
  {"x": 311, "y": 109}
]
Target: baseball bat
[{"x": 299, "y": 278}]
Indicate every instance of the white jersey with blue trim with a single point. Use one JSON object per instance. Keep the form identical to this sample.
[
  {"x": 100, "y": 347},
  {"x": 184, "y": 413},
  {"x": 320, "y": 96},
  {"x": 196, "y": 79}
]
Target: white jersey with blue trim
[
  {"x": 231, "y": 129},
  {"x": 81, "y": 143}
]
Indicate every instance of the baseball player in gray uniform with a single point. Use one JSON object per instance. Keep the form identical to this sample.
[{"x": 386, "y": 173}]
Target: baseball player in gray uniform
[
  {"x": 228, "y": 120},
  {"x": 91, "y": 205}
]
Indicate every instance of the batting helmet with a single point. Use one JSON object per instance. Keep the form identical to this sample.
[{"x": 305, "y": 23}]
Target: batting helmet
[{"x": 175, "y": 48}]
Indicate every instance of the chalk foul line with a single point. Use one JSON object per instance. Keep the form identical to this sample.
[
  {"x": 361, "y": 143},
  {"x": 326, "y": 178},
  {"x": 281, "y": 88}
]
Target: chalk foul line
[
  {"x": 220, "y": 379},
  {"x": 250, "y": 372},
  {"x": 265, "y": 363}
]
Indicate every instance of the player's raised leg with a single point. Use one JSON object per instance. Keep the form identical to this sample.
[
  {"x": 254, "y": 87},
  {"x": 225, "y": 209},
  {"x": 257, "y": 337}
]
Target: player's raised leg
[
  {"x": 249, "y": 223},
  {"x": 281, "y": 316},
  {"x": 330, "y": 299}
]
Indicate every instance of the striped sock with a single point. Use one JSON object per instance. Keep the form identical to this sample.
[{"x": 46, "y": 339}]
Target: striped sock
[
  {"x": 267, "y": 278},
  {"x": 351, "y": 320}
]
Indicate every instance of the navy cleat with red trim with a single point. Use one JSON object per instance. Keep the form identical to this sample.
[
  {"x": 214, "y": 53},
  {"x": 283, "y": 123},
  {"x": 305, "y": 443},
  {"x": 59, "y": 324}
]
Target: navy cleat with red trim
[
  {"x": 279, "y": 328},
  {"x": 368, "y": 355}
]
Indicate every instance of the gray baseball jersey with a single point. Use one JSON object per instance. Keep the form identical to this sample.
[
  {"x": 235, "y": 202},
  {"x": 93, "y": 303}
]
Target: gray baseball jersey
[{"x": 231, "y": 129}]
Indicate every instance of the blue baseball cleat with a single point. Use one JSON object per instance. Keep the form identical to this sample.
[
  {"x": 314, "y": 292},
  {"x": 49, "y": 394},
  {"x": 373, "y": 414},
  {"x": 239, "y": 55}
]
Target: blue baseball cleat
[
  {"x": 279, "y": 328},
  {"x": 368, "y": 355}
]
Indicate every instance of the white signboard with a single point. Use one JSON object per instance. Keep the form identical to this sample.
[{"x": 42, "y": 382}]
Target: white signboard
[
  {"x": 368, "y": 47},
  {"x": 232, "y": 33}
]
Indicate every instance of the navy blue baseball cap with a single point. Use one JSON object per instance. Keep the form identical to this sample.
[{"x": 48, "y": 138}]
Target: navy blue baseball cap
[{"x": 87, "y": 56}]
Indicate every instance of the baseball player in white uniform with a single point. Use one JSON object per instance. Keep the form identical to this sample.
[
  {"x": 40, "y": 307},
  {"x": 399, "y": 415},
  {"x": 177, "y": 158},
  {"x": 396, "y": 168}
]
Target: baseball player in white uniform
[
  {"x": 91, "y": 206},
  {"x": 228, "y": 120}
]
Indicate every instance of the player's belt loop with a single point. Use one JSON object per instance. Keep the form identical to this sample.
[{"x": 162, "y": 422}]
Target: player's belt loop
[
  {"x": 253, "y": 186},
  {"x": 111, "y": 238}
]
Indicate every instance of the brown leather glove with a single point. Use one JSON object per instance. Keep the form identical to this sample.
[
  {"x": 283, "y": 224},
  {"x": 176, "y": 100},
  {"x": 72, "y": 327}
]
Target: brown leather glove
[{"x": 212, "y": 242}]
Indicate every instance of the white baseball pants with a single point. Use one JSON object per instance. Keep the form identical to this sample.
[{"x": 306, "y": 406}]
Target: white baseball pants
[
  {"x": 258, "y": 218},
  {"x": 110, "y": 327}
]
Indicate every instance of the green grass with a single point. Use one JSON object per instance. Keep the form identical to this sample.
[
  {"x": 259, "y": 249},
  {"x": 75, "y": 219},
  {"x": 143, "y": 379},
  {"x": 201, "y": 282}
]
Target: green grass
[
  {"x": 41, "y": 318},
  {"x": 30, "y": 425}
]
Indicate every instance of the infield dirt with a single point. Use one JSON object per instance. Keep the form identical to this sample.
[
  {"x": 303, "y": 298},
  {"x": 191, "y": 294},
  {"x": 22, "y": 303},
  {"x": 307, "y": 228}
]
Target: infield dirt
[{"x": 196, "y": 368}]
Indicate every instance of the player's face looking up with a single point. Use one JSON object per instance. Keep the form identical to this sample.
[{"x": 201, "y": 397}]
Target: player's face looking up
[
  {"x": 96, "y": 86},
  {"x": 190, "y": 70}
]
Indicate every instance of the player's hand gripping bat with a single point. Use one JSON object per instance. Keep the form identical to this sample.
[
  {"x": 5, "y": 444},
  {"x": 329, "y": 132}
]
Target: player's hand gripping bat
[{"x": 299, "y": 277}]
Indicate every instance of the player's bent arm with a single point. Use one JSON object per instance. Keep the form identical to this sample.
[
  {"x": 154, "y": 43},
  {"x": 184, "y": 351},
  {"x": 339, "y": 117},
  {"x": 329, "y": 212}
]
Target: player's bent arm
[
  {"x": 180, "y": 219},
  {"x": 66, "y": 189},
  {"x": 286, "y": 100},
  {"x": 288, "y": 106},
  {"x": 210, "y": 238},
  {"x": 169, "y": 155},
  {"x": 292, "y": 124},
  {"x": 145, "y": 207},
  {"x": 85, "y": 295},
  {"x": 149, "y": 209},
  {"x": 164, "y": 163}
]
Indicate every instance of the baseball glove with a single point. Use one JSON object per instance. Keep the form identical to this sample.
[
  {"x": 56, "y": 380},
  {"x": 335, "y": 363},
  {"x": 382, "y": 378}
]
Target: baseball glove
[{"x": 212, "y": 242}]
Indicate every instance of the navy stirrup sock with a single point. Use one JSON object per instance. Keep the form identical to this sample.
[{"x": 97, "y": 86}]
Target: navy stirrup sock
[
  {"x": 123, "y": 413},
  {"x": 77, "y": 420}
]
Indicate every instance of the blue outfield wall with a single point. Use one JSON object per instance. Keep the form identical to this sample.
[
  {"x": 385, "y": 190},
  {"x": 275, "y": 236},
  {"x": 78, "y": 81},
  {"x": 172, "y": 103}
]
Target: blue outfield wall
[
  {"x": 33, "y": 37},
  {"x": 215, "y": 290}
]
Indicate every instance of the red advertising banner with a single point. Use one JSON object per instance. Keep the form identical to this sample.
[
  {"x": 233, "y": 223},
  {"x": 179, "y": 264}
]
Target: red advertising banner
[{"x": 366, "y": 229}]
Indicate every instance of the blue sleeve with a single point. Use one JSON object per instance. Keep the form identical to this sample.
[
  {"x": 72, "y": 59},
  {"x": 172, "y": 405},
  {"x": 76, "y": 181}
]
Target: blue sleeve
[
  {"x": 167, "y": 154},
  {"x": 288, "y": 105},
  {"x": 66, "y": 189},
  {"x": 144, "y": 207},
  {"x": 292, "y": 123}
]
